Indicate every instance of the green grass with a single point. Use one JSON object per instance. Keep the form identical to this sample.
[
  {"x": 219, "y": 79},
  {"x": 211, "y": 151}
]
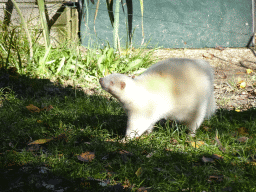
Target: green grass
[
  {"x": 166, "y": 158},
  {"x": 78, "y": 122}
]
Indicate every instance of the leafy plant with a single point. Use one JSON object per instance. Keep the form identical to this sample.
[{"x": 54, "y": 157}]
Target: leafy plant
[
  {"x": 24, "y": 24},
  {"x": 107, "y": 61}
]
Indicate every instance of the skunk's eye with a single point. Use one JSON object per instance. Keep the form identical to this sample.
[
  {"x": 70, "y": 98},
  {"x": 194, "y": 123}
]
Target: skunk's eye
[{"x": 111, "y": 83}]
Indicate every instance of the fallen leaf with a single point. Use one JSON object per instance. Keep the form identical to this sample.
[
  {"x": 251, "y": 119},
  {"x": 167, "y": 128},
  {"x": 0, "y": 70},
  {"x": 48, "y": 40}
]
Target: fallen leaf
[
  {"x": 242, "y": 85},
  {"x": 127, "y": 183},
  {"x": 242, "y": 131},
  {"x": 86, "y": 156},
  {"x": 216, "y": 178},
  {"x": 40, "y": 141},
  {"x": 33, "y": 108},
  {"x": 249, "y": 71},
  {"x": 138, "y": 172},
  {"x": 197, "y": 144}
]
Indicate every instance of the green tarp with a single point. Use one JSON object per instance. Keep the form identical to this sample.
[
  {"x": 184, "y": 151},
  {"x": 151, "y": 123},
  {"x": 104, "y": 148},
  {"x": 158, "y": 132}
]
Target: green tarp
[{"x": 174, "y": 24}]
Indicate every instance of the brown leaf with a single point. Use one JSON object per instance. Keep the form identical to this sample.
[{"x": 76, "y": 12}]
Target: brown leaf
[
  {"x": 33, "y": 108},
  {"x": 242, "y": 131},
  {"x": 197, "y": 144},
  {"x": 40, "y": 141},
  {"x": 249, "y": 71},
  {"x": 86, "y": 156},
  {"x": 127, "y": 183},
  {"x": 215, "y": 178},
  {"x": 138, "y": 172},
  {"x": 241, "y": 83}
]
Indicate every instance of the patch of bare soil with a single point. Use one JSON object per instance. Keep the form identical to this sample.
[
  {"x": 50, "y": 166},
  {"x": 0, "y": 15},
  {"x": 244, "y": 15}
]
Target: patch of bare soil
[{"x": 230, "y": 65}]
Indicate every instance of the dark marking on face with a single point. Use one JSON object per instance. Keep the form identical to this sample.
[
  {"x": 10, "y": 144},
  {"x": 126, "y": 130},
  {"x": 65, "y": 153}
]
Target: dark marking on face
[
  {"x": 111, "y": 83},
  {"x": 122, "y": 85}
]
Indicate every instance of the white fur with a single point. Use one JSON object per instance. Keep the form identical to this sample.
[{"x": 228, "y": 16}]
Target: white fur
[{"x": 177, "y": 89}]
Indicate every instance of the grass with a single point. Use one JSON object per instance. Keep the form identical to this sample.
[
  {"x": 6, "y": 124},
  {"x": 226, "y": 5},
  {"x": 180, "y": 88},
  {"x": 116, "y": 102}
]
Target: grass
[
  {"x": 76, "y": 134},
  {"x": 163, "y": 161}
]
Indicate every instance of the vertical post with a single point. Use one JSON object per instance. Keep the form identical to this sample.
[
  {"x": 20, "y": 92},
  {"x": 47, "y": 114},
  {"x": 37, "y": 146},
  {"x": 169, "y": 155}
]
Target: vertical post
[
  {"x": 253, "y": 22},
  {"x": 116, "y": 25}
]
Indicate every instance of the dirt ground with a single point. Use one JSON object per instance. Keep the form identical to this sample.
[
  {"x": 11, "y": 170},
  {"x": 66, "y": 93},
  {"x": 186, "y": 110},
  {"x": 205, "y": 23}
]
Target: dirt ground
[{"x": 230, "y": 65}]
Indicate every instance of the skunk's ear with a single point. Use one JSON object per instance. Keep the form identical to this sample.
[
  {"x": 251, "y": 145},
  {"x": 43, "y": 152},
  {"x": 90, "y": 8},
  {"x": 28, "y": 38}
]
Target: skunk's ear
[
  {"x": 122, "y": 85},
  {"x": 133, "y": 76}
]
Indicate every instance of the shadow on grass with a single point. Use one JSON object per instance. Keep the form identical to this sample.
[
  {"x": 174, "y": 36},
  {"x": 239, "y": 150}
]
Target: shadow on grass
[
  {"x": 86, "y": 120},
  {"x": 17, "y": 91}
]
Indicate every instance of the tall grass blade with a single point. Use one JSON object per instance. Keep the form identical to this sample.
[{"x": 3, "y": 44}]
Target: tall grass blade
[
  {"x": 110, "y": 11},
  {"x": 26, "y": 29},
  {"x": 41, "y": 7},
  {"x": 19, "y": 60},
  {"x": 116, "y": 25},
  {"x": 41, "y": 68},
  {"x": 142, "y": 29},
  {"x": 61, "y": 65},
  {"x": 9, "y": 49},
  {"x": 95, "y": 15}
]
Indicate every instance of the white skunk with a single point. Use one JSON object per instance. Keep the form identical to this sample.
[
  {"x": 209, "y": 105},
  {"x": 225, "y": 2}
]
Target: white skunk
[{"x": 177, "y": 89}]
